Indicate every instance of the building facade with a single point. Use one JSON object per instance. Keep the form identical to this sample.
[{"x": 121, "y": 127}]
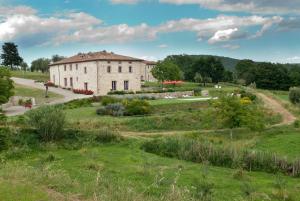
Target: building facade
[
  {"x": 100, "y": 72},
  {"x": 146, "y": 74}
]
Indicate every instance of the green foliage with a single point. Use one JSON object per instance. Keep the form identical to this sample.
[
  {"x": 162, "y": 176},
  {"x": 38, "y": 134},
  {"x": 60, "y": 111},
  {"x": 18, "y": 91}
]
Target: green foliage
[
  {"x": 166, "y": 70},
  {"x": 199, "y": 151},
  {"x": 233, "y": 113},
  {"x": 78, "y": 103},
  {"x": 209, "y": 67},
  {"x": 137, "y": 107},
  {"x": 198, "y": 78},
  {"x": 10, "y": 55},
  {"x": 48, "y": 120},
  {"x": 107, "y": 136},
  {"x": 41, "y": 64},
  {"x": 4, "y": 139},
  {"x": 294, "y": 95},
  {"x": 56, "y": 58},
  {"x": 6, "y": 85},
  {"x": 106, "y": 100}
]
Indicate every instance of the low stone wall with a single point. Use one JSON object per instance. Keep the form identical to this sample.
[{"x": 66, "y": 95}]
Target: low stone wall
[{"x": 178, "y": 94}]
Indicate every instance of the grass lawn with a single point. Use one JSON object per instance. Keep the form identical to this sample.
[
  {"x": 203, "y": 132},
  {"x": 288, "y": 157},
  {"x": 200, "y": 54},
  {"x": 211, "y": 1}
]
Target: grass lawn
[
  {"x": 31, "y": 75},
  {"x": 38, "y": 94},
  {"x": 120, "y": 170}
]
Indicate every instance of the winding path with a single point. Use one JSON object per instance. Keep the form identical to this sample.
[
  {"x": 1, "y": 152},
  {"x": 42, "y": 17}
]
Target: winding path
[
  {"x": 67, "y": 95},
  {"x": 287, "y": 117}
]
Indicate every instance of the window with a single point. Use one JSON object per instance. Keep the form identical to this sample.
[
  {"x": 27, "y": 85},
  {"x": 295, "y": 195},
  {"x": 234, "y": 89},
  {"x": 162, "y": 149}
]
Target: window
[
  {"x": 70, "y": 67},
  {"x": 86, "y": 86},
  {"x": 66, "y": 82},
  {"x": 114, "y": 85},
  {"x": 71, "y": 82},
  {"x": 126, "y": 85},
  {"x": 53, "y": 78},
  {"x": 108, "y": 69},
  {"x": 120, "y": 62},
  {"x": 108, "y": 62},
  {"x": 76, "y": 66},
  {"x": 65, "y": 67},
  {"x": 142, "y": 78},
  {"x": 130, "y": 69},
  {"x": 130, "y": 62},
  {"x": 120, "y": 69},
  {"x": 85, "y": 70}
]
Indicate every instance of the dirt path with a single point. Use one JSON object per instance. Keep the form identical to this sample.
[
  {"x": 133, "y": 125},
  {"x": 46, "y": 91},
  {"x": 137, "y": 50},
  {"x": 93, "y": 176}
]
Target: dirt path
[{"x": 287, "y": 117}]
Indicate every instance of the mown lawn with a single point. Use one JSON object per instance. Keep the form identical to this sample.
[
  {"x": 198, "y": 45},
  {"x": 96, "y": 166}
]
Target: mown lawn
[
  {"x": 121, "y": 169},
  {"x": 38, "y": 94},
  {"x": 31, "y": 75}
]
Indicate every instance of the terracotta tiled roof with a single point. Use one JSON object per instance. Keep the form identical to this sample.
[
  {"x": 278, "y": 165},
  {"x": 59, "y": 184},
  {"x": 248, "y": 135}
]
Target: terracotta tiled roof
[
  {"x": 149, "y": 62},
  {"x": 95, "y": 56}
]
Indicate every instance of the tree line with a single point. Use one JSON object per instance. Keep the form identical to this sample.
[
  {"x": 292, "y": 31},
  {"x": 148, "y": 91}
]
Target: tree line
[
  {"x": 11, "y": 58},
  {"x": 210, "y": 69}
]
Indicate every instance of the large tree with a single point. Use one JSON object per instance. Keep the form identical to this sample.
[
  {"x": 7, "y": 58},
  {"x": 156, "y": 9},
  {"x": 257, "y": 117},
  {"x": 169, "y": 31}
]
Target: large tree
[
  {"x": 56, "y": 58},
  {"x": 6, "y": 85},
  {"x": 209, "y": 67},
  {"x": 10, "y": 55},
  {"x": 41, "y": 64},
  {"x": 166, "y": 70},
  {"x": 246, "y": 70}
]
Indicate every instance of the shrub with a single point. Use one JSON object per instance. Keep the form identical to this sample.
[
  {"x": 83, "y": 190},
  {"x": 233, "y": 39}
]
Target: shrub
[
  {"x": 107, "y": 136},
  {"x": 294, "y": 95},
  {"x": 82, "y": 91},
  {"x": 78, "y": 103},
  {"x": 106, "y": 100},
  {"x": 101, "y": 111},
  {"x": 3, "y": 118},
  {"x": 3, "y": 139},
  {"x": 197, "y": 91},
  {"x": 120, "y": 92},
  {"x": 137, "y": 107},
  {"x": 116, "y": 109},
  {"x": 48, "y": 120}
]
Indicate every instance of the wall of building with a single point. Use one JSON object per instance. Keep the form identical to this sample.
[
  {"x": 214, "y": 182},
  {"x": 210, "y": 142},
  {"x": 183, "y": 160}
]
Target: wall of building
[
  {"x": 98, "y": 78},
  {"x": 146, "y": 74}
]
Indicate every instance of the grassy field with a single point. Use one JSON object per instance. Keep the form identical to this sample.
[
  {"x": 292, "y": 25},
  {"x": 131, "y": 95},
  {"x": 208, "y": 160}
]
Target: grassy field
[
  {"x": 31, "y": 75},
  {"x": 38, "y": 94},
  {"x": 77, "y": 168},
  {"x": 124, "y": 168}
]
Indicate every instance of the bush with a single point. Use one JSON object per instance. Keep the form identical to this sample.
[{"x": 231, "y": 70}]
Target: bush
[
  {"x": 48, "y": 120},
  {"x": 101, "y": 111},
  {"x": 82, "y": 91},
  {"x": 3, "y": 139},
  {"x": 78, "y": 103},
  {"x": 120, "y": 92},
  {"x": 115, "y": 109},
  {"x": 107, "y": 136},
  {"x": 294, "y": 95},
  {"x": 197, "y": 91},
  {"x": 106, "y": 100},
  {"x": 137, "y": 107}
]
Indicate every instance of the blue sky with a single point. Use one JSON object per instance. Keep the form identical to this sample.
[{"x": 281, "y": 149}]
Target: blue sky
[{"x": 262, "y": 30}]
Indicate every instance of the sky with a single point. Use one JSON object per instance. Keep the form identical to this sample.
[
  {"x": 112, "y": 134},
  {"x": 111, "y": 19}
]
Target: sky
[{"x": 261, "y": 30}]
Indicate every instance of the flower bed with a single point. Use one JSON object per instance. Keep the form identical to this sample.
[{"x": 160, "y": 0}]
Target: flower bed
[{"x": 83, "y": 91}]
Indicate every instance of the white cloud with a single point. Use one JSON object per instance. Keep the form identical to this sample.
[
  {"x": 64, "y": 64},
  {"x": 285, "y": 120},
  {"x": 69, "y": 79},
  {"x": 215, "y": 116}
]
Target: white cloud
[
  {"x": 17, "y": 10},
  {"x": 124, "y": 1},
  {"x": 252, "y": 6},
  {"x": 230, "y": 46},
  {"x": 163, "y": 46},
  {"x": 28, "y": 27},
  {"x": 293, "y": 59}
]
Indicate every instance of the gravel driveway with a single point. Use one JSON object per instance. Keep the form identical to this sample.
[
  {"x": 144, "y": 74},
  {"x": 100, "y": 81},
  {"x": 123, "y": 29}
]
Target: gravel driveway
[{"x": 68, "y": 95}]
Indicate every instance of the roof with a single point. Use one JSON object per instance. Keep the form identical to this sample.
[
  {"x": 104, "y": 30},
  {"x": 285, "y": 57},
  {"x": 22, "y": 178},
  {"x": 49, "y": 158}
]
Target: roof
[
  {"x": 95, "y": 56},
  {"x": 149, "y": 62}
]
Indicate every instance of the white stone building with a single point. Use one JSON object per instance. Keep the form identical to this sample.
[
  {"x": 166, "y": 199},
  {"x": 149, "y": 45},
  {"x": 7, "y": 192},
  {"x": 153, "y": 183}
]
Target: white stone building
[{"x": 101, "y": 72}]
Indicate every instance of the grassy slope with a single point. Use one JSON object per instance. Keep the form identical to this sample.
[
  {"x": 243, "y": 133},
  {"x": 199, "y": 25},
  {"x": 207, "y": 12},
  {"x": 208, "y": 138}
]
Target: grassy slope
[
  {"x": 75, "y": 172},
  {"x": 38, "y": 94},
  {"x": 31, "y": 75}
]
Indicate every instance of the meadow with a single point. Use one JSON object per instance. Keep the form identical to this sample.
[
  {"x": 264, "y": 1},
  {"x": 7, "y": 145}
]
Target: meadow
[
  {"x": 37, "y": 76},
  {"x": 99, "y": 155}
]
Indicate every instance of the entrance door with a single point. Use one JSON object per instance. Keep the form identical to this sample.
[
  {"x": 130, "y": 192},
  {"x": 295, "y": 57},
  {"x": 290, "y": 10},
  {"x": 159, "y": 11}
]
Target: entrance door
[{"x": 86, "y": 86}]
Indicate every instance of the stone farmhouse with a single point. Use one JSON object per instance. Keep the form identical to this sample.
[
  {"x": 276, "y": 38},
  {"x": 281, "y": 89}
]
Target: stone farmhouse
[{"x": 101, "y": 72}]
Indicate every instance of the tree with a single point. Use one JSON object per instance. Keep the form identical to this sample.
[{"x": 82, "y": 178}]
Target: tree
[
  {"x": 294, "y": 74},
  {"x": 56, "y": 58},
  {"x": 166, "y": 70},
  {"x": 198, "y": 78},
  {"x": 24, "y": 66},
  {"x": 294, "y": 95},
  {"x": 234, "y": 112},
  {"x": 246, "y": 70},
  {"x": 6, "y": 85},
  {"x": 10, "y": 55},
  {"x": 41, "y": 64}
]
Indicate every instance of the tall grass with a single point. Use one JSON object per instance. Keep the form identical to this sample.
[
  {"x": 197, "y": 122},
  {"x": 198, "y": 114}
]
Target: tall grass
[{"x": 224, "y": 156}]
